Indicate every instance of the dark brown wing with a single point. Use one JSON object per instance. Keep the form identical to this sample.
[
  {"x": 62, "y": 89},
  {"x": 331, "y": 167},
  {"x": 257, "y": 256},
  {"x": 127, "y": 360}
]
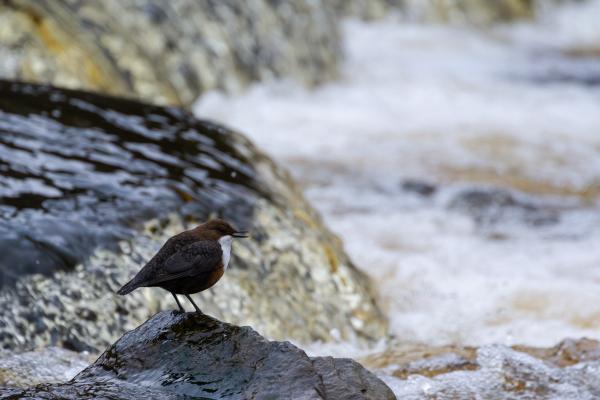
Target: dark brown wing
[
  {"x": 194, "y": 259},
  {"x": 154, "y": 267},
  {"x": 171, "y": 246}
]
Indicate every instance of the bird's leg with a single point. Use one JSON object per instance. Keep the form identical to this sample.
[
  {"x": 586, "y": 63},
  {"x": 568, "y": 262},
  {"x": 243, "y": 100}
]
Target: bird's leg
[
  {"x": 194, "y": 304},
  {"x": 178, "y": 303}
]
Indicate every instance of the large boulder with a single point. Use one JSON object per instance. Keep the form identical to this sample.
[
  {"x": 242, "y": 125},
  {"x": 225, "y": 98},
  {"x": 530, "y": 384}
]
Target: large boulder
[
  {"x": 92, "y": 186},
  {"x": 166, "y": 51},
  {"x": 190, "y": 354}
]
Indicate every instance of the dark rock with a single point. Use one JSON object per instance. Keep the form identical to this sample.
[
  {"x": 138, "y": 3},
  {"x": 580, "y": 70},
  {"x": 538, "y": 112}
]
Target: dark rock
[
  {"x": 93, "y": 166},
  {"x": 97, "y": 390},
  {"x": 190, "y": 354}
]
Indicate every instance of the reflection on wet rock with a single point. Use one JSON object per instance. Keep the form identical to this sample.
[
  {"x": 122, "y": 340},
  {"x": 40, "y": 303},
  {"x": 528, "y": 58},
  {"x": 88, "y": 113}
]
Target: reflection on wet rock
[
  {"x": 78, "y": 171},
  {"x": 191, "y": 354},
  {"x": 92, "y": 186}
]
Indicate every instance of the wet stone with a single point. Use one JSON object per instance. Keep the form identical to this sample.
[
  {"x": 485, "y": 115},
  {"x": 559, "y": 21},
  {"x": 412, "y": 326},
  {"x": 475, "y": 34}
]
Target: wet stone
[
  {"x": 83, "y": 179},
  {"x": 192, "y": 354}
]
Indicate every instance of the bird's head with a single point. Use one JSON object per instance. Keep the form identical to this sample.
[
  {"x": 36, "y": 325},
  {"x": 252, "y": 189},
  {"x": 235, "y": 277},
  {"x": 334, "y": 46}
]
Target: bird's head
[{"x": 218, "y": 228}]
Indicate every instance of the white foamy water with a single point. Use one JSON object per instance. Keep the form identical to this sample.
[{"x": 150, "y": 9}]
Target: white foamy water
[{"x": 515, "y": 107}]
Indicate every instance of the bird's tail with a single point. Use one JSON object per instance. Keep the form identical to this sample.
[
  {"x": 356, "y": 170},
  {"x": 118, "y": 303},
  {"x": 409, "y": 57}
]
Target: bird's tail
[{"x": 128, "y": 287}]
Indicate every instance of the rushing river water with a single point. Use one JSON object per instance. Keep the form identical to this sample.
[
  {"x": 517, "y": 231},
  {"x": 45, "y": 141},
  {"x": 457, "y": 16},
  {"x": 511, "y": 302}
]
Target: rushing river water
[{"x": 461, "y": 168}]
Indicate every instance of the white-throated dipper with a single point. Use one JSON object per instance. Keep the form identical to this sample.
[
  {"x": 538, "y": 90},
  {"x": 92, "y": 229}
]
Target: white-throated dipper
[{"x": 189, "y": 262}]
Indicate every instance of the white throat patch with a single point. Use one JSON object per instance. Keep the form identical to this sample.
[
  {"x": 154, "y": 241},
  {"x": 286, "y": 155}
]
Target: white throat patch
[{"x": 225, "y": 243}]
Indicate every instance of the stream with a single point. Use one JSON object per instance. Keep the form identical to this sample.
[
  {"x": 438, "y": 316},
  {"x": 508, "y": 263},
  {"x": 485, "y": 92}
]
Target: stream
[{"x": 461, "y": 168}]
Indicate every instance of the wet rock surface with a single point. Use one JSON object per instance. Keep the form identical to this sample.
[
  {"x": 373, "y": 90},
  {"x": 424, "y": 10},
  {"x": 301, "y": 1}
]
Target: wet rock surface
[
  {"x": 166, "y": 52},
  {"x": 188, "y": 354},
  {"x": 569, "y": 370},
  {"x": 92, "y": 186},
  {"x": 77, "y": 170}
]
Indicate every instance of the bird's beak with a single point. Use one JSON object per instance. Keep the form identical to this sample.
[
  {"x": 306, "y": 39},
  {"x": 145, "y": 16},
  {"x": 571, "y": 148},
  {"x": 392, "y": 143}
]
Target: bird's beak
[{"x": 241, "y": 234}]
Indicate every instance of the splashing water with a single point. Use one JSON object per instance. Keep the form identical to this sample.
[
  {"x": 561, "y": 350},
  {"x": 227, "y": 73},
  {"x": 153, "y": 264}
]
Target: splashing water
[
  {"x": 461, "y": 168},
  {"x": 462, "y": 108}
]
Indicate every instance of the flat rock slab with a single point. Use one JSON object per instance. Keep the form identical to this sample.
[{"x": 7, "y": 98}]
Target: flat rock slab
[{"x": 178, "y": 355}]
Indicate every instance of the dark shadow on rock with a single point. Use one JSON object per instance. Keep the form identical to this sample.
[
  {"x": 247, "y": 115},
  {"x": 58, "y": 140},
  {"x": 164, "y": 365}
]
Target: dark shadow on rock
[{"x": 182, "y": 355}]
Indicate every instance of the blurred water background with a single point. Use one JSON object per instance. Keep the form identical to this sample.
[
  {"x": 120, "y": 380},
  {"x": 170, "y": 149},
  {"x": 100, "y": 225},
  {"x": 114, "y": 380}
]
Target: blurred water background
[{"x": 459, "y": 165}]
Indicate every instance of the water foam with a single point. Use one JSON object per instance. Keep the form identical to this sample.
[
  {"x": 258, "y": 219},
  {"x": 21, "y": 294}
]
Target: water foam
[{"x": 512, "y": 107}]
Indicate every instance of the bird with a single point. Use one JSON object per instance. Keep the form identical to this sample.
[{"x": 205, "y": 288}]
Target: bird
[{"x": 189, "y": 262}]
